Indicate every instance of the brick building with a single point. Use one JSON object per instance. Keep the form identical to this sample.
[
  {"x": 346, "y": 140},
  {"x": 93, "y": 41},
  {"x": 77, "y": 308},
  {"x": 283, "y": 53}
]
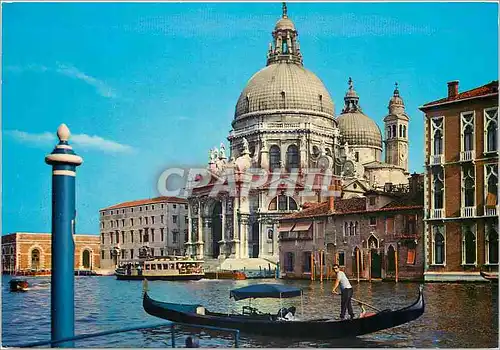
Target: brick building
[
  {"x": 373, "y": 237},
  {"x": 461, "y": 183},
  {"x": 23, "y": 251},
  {"x": 134, "y": 230}
]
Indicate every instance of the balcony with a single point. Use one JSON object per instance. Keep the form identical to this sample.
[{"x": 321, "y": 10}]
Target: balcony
[
  {"x": 490, "y": 211},
  {"x": 287, "y": 236},
  {"x": 436, "y": 159},
  {"x": 436, "y": 213},
  {"x": 468, "y": 212},
  {"x": 467, "y": 156}
]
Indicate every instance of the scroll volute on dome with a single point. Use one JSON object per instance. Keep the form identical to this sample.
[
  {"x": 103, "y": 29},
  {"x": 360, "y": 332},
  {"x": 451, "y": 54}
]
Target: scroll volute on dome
[{"x": 285, "y": 46}]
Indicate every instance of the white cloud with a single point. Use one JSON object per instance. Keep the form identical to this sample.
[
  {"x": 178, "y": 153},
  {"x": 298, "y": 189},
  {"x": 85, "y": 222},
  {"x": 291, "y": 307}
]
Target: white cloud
[
  {"x": 45, "y": 138},
  {"x": 97, "y": 142},
  {"x": 80, "y": 141},
  {"x": 71, "y": 72},
  {"x": 102, "y": 88}
]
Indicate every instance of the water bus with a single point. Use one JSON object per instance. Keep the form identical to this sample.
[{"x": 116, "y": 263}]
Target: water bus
[{"x": 169, "y": 268}]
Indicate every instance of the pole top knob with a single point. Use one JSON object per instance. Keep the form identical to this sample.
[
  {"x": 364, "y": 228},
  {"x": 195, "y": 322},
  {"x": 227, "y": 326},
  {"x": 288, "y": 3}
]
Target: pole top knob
[{"x": 63, "y": 132}]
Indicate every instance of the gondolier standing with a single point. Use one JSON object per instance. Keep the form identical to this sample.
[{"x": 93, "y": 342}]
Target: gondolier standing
[{"x": 346, "y": 292}]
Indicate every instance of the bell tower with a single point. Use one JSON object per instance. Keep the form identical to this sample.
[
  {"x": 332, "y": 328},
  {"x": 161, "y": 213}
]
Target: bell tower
[{"x": 396, "y": 132}]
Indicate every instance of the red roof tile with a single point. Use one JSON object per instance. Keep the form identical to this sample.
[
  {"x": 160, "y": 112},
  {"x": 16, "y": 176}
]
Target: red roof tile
[
  {"x": 484, "y": 90},
  {"x": 148, "y": 201},
  {"x": 350, "y": 206}
]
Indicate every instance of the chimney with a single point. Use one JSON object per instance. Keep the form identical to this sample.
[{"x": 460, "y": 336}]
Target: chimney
[
  {"x": 453, "y": 88},
  {"x": 331, "y": 200}
]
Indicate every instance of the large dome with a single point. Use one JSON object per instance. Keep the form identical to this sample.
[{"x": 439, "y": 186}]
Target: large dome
[
  {"x": 359, "y": 130},
  {"x": 281, "y": 86}
]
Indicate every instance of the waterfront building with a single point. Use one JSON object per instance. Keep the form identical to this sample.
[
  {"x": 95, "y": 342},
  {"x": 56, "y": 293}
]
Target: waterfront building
[
  {"x": 135, "y": 230},
  {"x": 378, "y": 236},
  {"x": 461, "y": 183},
  {"x": 29, "y": 252},
  {"x": 285, "y": 123}
]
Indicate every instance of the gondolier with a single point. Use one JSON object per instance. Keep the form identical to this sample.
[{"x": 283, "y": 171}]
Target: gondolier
[{"x": 346, "y": 292}]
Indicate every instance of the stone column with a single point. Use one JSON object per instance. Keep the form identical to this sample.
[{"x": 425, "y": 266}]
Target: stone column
[
  {"x": 199, "y": 242},
  {"x": 190, "y": 231},
  {"x": 222, "y": 250}
]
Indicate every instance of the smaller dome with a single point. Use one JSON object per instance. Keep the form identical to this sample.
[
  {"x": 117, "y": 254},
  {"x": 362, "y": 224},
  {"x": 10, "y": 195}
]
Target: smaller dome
[
  {"x": 284, "y": 24},
  {"x": 358, "y": 129}
]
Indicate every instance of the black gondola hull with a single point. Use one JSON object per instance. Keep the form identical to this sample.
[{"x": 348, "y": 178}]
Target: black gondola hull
[{"x": 266, "y": 325}]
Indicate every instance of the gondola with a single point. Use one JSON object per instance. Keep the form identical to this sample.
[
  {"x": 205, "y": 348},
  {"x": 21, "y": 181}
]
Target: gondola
[
  {"x": 493, "y": 277},
  {"x": 251, "y": 321}
]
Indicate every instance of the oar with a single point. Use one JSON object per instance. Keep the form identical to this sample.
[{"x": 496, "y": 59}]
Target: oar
[{"x": 362, "y": 302}]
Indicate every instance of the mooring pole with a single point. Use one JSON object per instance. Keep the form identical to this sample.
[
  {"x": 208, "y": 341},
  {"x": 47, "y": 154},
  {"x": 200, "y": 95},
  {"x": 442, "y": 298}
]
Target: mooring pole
[{"x": 62, "y": 291}]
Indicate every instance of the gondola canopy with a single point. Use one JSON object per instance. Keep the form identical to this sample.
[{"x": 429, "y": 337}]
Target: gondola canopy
[{"x": 265, "y": 291}]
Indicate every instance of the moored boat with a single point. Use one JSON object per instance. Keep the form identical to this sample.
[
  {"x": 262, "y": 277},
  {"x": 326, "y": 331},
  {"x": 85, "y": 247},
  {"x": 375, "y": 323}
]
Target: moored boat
[
  {"x": 252, "y": 321},
  {"x": 163, "y": 268},
  {"x": 18, "y": 285},
  {"x": 226, "y": 275},
  {"x": 490, "y": 276}
]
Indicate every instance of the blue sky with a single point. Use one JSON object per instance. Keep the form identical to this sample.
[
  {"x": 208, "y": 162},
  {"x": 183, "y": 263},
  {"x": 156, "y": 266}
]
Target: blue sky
[{"x": 144, "y": 87}]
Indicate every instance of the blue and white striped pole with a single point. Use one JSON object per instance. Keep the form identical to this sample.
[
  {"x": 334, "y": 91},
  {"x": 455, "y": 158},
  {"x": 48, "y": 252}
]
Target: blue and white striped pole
[{"x": 62, "y": 297}]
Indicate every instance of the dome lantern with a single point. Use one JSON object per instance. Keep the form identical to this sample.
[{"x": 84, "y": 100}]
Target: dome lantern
[
  {"x": 351, "y": 100},
  {"x": 285, "y": 46},
  {"x": 396, "y": 104}
]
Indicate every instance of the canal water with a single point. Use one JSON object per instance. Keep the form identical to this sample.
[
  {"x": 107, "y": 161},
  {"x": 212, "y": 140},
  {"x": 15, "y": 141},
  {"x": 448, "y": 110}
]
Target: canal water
[{"x": 456, "y": 315}]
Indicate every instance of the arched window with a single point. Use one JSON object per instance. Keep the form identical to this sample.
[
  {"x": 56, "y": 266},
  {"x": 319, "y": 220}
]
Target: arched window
[
  {"x": 86, "y": 259},
  {"x": 468, "y": 185},
  {"x": 439, "y": 247},
  {"x": 292, "y": 157},
  {"x": 391, "y": 259},
  {"x": 401, "y": 131},
  {"x": 274, "y": 157},
  {"x": 282, "y": 202},
  {"x": 491, "y": 243},
  {"x": 351, "y": 229},
  {"x": 346, "y": 229},
  {"x": 468, "y": 246},
  {"x": 394, "y": 131},
  {"x": 389, "y": 132},
  {"x": 438, "y": 187},
  {"x": 35, "y": 259},
  {"x": 438, "y": 143},
  {"x": 356, "y": 228},
  {"x": 404, "y": 131}
]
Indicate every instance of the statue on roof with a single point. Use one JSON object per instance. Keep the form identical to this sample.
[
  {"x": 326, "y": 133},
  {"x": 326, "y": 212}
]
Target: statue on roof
[
  {"x": 222, "y": 151},
  {"x": 245, "y": 146}
]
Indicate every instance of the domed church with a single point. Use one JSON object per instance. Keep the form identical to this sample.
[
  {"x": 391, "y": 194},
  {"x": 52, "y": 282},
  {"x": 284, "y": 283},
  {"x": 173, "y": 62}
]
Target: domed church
[{"x": 285, "y": 121}]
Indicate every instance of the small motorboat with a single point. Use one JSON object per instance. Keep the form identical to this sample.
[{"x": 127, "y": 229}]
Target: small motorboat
[
  {"x": 226, "y": 275},
  {"x": 18, "y": 285},
  {"x": 251, "y": 321},
  {"x": 490, "y": 276}
]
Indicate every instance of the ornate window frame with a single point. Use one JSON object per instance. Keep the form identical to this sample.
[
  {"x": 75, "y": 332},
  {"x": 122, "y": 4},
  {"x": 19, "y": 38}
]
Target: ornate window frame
[
  {"x": 434, "y": 179},
  {"x": 488, "y": 118},
  {"x": 490, "y": 170},
  {"x": 467, "y": 119},
  {"x": 467, "y": 173},
  {"x": 437, "y": 124}
]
